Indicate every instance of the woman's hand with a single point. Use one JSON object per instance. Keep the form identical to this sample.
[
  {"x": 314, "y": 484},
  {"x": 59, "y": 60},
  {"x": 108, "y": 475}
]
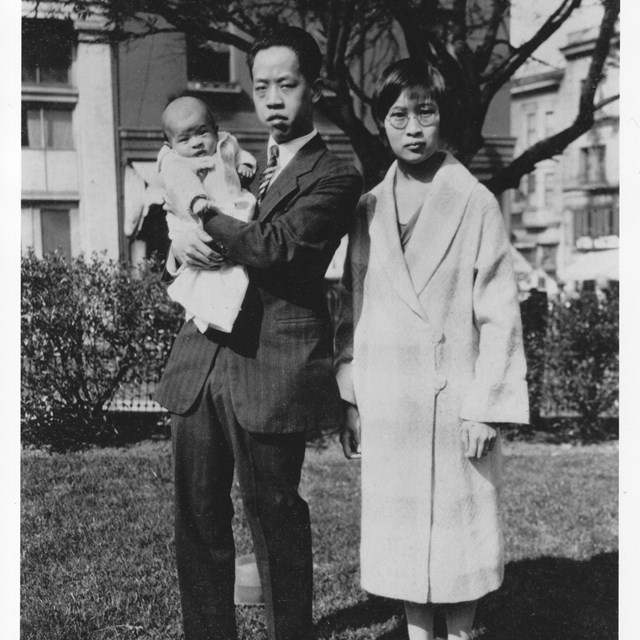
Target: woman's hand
[
  {"x": 190, "y": 247},
  {"x": 350, "y": 431},
  {"x": 478, "y": 437}
]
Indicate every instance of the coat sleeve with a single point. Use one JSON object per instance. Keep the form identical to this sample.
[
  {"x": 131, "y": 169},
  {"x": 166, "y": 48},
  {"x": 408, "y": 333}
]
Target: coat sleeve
[
  {"x": 498, "y": 392},
  {"x": 351, "y": 291},
  {"x": 315, "y": 221},
  {"x": 344, "y": 332}
]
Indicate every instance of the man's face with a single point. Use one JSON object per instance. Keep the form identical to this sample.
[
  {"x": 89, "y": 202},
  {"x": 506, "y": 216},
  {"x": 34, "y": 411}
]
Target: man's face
[{"x": 283, "y": 97}]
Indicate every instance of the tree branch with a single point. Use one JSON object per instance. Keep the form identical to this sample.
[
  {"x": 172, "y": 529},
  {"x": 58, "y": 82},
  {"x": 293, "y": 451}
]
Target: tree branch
[
  {"x": 200, "y": 26},
  {"x": 373, "y": 154},
  {"x": 459, "y": 12},
  {"x": 606, "y": 101},
  {"x": 358, "y": 91},
  {"x": 442, "y": 30},
  {"x": 512, "y": 63},
  {"x": 332, "y": 30},
  {"x": 496, "y": 17},
  {"x": 414, "y": 21},
  {"x": 509, "y": 177},
  {"x": 600, "y": 54}
]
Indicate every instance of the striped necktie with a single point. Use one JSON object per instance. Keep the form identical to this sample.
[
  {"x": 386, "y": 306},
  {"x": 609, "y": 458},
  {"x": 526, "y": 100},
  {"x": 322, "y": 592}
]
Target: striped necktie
[{"x": 268, "y": 172}]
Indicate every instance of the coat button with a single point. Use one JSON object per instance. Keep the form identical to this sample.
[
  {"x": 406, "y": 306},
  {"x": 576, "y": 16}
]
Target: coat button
[
  {"x": 440, "y": 382},
  {"x": 437, "y": 336}
]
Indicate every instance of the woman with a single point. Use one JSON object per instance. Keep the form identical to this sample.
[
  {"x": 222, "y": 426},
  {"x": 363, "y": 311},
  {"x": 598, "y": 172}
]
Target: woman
[{"x": 435, "y": 364}]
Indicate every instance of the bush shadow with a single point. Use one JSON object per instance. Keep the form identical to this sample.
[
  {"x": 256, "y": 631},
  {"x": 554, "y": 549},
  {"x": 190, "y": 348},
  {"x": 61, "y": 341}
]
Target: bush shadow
[
  {"x": 554, "y": 597},
  {"x": 541, "y": 599}
]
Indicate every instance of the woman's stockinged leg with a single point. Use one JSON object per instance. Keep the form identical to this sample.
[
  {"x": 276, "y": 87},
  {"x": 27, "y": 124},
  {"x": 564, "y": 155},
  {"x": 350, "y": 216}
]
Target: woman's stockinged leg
[
  {"x": 419, "y": 620},
  {"x": 459, "y": 618}
]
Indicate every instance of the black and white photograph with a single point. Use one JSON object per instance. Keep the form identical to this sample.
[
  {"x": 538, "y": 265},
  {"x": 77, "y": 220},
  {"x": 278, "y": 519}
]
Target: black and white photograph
[{"x": 319, "y": 320}]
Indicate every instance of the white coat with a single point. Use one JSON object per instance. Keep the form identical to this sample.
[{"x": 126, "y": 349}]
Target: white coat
[{"x": 437, "y": 339}]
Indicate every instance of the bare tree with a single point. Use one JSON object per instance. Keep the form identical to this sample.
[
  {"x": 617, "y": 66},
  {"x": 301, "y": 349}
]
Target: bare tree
[{"x": 468, "y": 38}]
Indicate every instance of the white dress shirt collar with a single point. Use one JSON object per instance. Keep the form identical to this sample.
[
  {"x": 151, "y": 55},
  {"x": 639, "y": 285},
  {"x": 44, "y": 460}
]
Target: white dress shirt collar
[{"x": 287, "y": 150}]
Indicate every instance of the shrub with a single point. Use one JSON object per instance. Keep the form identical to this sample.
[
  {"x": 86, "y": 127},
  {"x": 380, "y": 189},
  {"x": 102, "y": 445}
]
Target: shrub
[
  {"x": 87, "y": 326},
  {"x": 91, "y": 327},
  {"x": 534, "y": 327},
  {"x": 581, "y": 350},
  {"x": 572, "y": 364}
]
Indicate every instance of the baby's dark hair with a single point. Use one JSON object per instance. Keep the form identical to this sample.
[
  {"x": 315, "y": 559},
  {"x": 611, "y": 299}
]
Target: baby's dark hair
[
  {"x": 298, "y": 40},
  {"x": 408, "y": 74},
  {"x": 189, "y": 94}
]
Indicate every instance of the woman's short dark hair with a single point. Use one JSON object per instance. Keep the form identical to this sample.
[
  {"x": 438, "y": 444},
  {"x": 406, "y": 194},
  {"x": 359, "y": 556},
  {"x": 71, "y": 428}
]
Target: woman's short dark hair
[
  {"x": 412, "y": 73},
  {"x": 299, "y": 41}
]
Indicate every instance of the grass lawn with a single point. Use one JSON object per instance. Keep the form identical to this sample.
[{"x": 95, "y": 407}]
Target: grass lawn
[{"x": 98, "y": 556}]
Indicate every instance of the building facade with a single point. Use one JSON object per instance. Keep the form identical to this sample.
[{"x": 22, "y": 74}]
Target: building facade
[
  {"x": 565, "y": 215},
  {"x": 91, "y": 112},
  {"x": 69, "y": 175}
]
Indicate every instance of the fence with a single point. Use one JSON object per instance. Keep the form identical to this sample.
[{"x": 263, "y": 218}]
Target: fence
[
  {"x": 96, "y": 336},
  {"x": 548, "y": 348}
]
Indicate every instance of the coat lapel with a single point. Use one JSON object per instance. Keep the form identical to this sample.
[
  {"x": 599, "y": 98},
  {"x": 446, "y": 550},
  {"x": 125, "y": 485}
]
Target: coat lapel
[
  {"x": 287, "y": 181},
  {"x": 385, "y": 239},
  {"x": 439, "y": 219}
]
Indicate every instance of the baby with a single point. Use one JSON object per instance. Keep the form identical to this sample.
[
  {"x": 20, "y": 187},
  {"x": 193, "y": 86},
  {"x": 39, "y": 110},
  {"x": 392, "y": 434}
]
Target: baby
[{"x": 199, "y": 166}]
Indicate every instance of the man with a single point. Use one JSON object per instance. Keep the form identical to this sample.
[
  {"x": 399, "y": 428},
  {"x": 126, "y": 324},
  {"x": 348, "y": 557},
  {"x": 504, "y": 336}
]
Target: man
[{"x": 247, "y": 398}]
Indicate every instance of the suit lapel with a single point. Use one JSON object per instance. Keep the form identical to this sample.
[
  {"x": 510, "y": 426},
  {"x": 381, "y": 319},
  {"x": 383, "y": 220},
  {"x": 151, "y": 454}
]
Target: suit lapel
[
  {"x": 439, "y": 219},
  {"x": 287, "y": 181},
  {"x": 385, "y": 241}
]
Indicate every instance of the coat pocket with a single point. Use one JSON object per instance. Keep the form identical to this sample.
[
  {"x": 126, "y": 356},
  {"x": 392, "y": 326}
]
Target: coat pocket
[
  {"x": 297, "y": 325},
  {"x": 312, "y": 334}
]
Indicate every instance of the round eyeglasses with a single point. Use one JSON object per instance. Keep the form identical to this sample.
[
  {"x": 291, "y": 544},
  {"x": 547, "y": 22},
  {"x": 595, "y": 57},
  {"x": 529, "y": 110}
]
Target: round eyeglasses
[{"x": 401, "y": 120}]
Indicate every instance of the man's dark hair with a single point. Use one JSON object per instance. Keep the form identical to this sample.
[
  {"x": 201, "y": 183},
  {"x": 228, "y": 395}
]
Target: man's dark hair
[
  {"x": 413, "y": 74},
  {"x": 299, "y": 41}
]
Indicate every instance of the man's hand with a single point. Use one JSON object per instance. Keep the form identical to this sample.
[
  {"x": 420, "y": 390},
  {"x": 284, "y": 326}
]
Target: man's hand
[
  {"x": 190, "y": 247},
  {"x": 350, "y": 430},
  {"x": 479, "y": 438}
]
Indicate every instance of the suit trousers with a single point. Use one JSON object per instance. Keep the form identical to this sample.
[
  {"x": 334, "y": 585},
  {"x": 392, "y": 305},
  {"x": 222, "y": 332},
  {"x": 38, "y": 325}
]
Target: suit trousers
[{"x": 207, "y": 444}]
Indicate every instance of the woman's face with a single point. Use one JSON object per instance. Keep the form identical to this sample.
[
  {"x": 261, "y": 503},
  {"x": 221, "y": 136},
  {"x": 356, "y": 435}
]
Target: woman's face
[{"x": 412, "y": 126}]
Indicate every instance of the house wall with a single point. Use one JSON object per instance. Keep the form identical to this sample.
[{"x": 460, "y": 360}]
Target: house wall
[
  {"x": 74, "y": 189},
  {"x": 96, "y": 147},
  {"x": 117, "y": 94},
  {"x": 150, "y": 70},
  {"x": 550, "y": 226}
]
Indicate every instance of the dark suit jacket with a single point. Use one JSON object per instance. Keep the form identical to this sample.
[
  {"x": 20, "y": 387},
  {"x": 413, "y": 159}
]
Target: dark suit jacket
[{"x": 280, "y": 350}]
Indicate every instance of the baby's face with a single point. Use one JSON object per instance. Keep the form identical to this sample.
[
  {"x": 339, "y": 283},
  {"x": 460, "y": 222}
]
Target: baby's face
[{"x": 192, "y": 134}]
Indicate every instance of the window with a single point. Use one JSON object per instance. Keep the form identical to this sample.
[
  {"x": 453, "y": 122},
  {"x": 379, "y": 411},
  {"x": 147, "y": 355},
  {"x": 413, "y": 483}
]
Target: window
[
  {"x": 519, "y": 194},
  {"x": 49, "y": 226},
  {"x": 596, "y": 222},
  {"x": 549, "y": 190},
  {"x": 531, "y": 133},
  {"x": 46, "y": 127},
  {"x": 208, "y": 64},
  {"x": 549, "y": 125},
  {"x": 531, "y": 187},
  {"x": 56, "y": 231},
  {"x": 529, "y": 254},
  {"x": 548, "y": 259},
  {"x": 592, "y": 164},
  {"x": 47, "y": 46}
]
